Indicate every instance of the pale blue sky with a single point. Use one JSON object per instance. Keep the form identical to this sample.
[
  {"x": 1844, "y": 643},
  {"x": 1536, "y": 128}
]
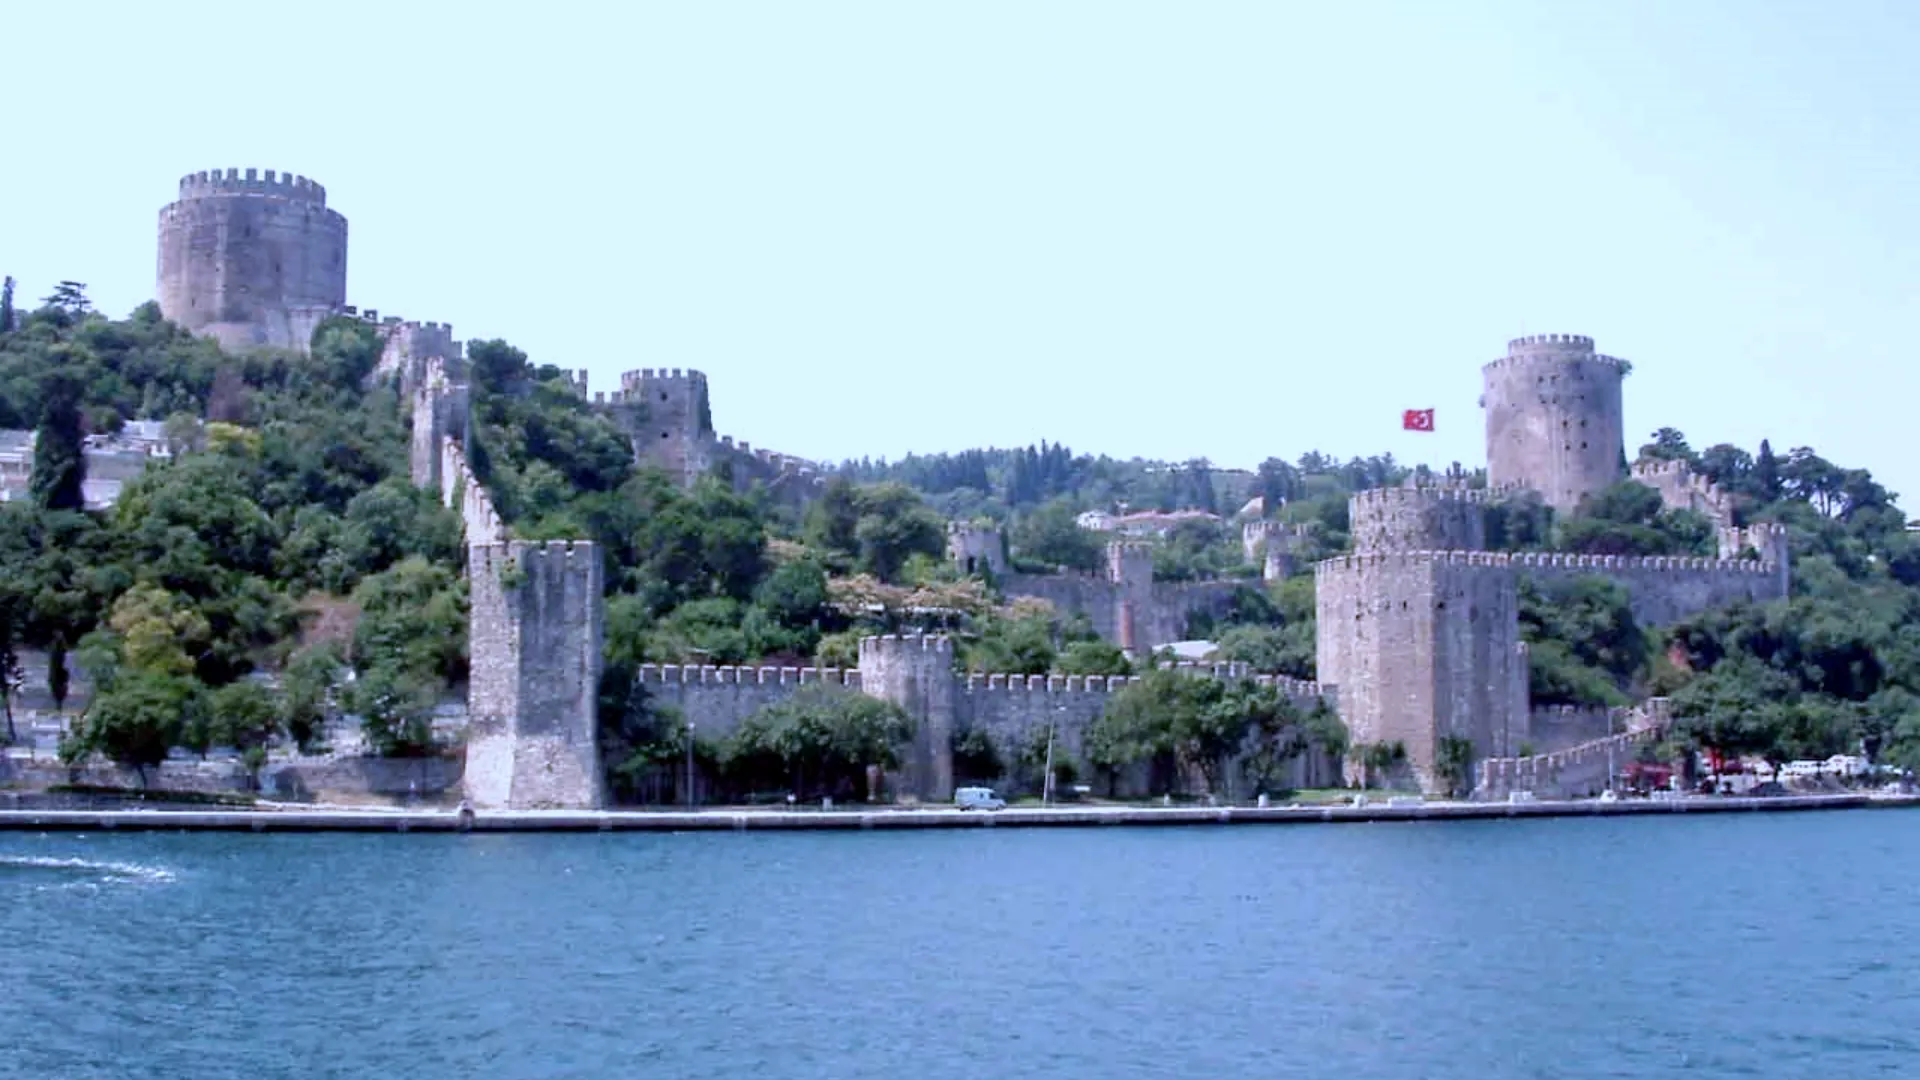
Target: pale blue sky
[{"x": 1229, "y": 230}]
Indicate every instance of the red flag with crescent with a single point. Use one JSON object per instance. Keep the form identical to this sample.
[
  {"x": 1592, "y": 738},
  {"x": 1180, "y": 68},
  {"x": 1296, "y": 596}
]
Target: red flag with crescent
[{"x": 1417, "y": 420}]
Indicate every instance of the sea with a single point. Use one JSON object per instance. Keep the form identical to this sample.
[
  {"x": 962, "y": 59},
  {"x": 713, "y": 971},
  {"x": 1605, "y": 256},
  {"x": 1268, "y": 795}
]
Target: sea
[{"x": 1762, "y": 945}]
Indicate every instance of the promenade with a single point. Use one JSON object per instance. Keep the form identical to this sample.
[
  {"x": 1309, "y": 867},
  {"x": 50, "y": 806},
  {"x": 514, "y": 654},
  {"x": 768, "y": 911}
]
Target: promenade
[{"x": 309, "y": 819}]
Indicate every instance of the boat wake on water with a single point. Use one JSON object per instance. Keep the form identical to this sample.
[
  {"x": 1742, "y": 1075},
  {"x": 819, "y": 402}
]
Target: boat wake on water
[{"x": 75, "y": 872}]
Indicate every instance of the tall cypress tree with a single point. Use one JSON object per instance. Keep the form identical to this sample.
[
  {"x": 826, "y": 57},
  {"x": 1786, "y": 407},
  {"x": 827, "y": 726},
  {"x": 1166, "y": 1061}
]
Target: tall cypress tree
[
  {"x": 59, "y": 458},
  {"x": 1766, "y": 472},
  {"x": 6, "y": 306}
]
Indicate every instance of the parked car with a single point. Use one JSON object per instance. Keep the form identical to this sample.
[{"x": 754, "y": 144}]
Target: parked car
[{"x": 978, "y": 798}]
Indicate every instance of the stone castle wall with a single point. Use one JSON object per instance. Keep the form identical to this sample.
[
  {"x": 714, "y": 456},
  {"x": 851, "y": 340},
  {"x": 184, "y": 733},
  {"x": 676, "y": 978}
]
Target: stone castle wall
[
  {"x": 916, "y": 673},
  {"x": 1681, "y": 488},
  {"x": 1552, "y": 728},
  {"x": 535, "y": 636},
  {"x": 1554, "y": 418},
  {"x": 1663, "y": 589},
  {"x": 251, "y": 259}
]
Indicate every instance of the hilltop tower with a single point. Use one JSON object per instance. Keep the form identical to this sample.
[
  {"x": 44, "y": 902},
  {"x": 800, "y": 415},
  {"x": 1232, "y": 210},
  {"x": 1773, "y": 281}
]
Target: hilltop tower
[
  {"x": 1130, "y": 568},
  {"x": 252, "y": 260},
  {"x": 976, "y": 547},
  {"x": 1554, "y": 420},
  {"x": 669, "y": 418}
]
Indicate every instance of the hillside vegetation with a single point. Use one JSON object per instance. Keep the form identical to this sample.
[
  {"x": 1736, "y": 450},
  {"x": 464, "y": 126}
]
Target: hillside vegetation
[{"x": 284, "y": 539}]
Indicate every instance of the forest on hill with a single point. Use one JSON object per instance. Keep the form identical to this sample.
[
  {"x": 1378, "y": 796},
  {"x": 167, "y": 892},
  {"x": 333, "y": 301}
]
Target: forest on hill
[{"x": 282, "y": 538}]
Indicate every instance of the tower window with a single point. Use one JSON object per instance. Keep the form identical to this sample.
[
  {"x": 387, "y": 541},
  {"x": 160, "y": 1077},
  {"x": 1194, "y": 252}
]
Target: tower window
[
  {"x": 663, "y": 434},
  {"x": 663, "y": 395}
]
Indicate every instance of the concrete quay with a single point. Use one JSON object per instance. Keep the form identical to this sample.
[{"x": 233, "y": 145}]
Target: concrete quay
[{"x": 401, "y": 821}]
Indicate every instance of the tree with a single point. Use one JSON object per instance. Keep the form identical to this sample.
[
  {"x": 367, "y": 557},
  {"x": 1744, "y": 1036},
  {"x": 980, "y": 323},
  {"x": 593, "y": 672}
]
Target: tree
[
  {"x": 820, "y": 741},
  {"x": 6, "y": 305},
  {"x": 11, "y": 677},
  {"x": 59, "y": 457},
  {"x": 137, "y": 720},
  {"x": 69, "y": 297},
  {"x": 395, "y": 706}
]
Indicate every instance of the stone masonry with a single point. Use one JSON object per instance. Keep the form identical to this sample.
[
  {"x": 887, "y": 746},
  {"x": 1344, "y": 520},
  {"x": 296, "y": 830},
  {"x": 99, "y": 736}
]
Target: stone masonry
[
  {"x": 252, "y": 259},
  {"x": 536, "y": 635},
  {"x": 1554, "y": 419},
  {"x": 668, "y": 415},
  {"x": 915, "y": 672}
]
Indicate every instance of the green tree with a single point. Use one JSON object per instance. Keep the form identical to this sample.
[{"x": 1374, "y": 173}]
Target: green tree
[
  {"x": 6, "y": 306},
  {"x": 820, "y": 741},
  {"x": 59, "y": 457},
  {"x": 138, "y": 719}
]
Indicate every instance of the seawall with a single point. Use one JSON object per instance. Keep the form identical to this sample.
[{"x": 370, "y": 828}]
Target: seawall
[{"x": 262, "y": 821}]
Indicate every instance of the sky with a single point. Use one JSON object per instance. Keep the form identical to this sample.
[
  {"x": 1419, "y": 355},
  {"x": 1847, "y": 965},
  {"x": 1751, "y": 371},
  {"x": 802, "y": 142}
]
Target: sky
[{"x": 1168, "y": 230}]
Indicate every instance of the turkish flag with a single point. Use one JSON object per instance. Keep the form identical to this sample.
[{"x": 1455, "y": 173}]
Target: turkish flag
[{"x": 1417, "y": 420}]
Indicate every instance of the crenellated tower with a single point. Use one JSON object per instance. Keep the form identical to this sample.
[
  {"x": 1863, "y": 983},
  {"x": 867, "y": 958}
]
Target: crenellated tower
[
  {"x": 1554, "y": 418},
  {"x": 1130, "y": 566},
  {"x": 1444, "y": 518},
  {"x": 667, "y": 414},
  {"x": 252, "y": 259},
  {"x": 977, "y": 547},
  {"x": 536, "y": 627},
  {"x": 915, "y": 672}
]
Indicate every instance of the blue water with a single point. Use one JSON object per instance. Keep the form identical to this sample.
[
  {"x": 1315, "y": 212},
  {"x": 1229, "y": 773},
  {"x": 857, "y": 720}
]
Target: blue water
[{"x": 1749, "y": 945}]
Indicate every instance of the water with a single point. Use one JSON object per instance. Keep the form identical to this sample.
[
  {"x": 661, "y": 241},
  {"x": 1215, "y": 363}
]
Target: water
[{"x": 1741, "y": 945}]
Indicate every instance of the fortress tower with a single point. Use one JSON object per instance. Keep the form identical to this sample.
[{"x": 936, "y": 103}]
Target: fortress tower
[
  {"x": 1418, "y": 519},
  {"x": 976, "y": 548},
  {"x": 536, "y": 626},
  {"x": 252, "y": 260},
  {"x": 1554, "y": 421},
  {"x": 915, "y": 672},
  {"x": 1424, "y": 646},
  {"x": 669, "y": 418},
  {"x": 1130, "y": 566}
]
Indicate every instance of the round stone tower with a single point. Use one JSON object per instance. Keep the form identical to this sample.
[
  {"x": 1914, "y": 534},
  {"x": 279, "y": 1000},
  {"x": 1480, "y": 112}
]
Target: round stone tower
[
  {"x": 252, "y": 259},
  {"x": 1554, "y": 422}
]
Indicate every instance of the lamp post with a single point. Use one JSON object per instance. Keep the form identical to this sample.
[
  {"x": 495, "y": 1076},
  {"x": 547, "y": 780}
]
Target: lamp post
[
  {"x": 689, "y": 795},
  {"x": 1046, "y": 781}
]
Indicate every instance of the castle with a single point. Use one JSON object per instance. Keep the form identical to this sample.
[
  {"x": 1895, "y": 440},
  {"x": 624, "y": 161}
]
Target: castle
[{"x": 1418, "y": 629}]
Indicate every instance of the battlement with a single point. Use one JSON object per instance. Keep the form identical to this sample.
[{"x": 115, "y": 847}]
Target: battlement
[
  {"x": 1392, "y": 497},
  {"x": 726, "y": 675},
  {"x": 215, "y": 182},
  {"x": 898, "y": 643},
  {"x": 537, "y": 560},
  {"x": 1538, "y": 560},
  {"x": 634, "y": 380},
  {"x": 1576, "y": 343}
]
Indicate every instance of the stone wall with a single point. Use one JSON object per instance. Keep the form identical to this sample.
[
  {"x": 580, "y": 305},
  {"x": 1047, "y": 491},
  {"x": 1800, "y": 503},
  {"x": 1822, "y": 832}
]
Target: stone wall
[
  {"x": 441, "y": 412},
  {"x": 363, "y": 780},
  {"x": 535, "y": 634},
  {"x": 1554, "y": 419},
  {"x": 916, "y": 673},
  {"x": 977, "y": 548},
  {"x": 716, "y": 699},
  {"x": 251, "y": 260},
  {"x": 459, "y": 488},
  {"x": 1663, "y": 589},
  {"x": 1681, "y": 488},
  {"x": 1552, "y": 728},
  {"x": 1126, "y": 606}
]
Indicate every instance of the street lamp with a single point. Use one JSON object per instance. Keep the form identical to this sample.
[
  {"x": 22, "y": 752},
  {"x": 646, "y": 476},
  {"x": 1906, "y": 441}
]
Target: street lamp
[
  {"x": 689, "y": 796},
  {"x": 1046, "y": 781}
]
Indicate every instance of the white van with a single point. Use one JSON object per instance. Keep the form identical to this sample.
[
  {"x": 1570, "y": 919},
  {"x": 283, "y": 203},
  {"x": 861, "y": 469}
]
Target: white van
[{"x": 978, "y": 798}]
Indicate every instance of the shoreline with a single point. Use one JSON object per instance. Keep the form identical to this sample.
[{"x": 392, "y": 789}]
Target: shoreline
[{"x": 733, "y": 820}]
